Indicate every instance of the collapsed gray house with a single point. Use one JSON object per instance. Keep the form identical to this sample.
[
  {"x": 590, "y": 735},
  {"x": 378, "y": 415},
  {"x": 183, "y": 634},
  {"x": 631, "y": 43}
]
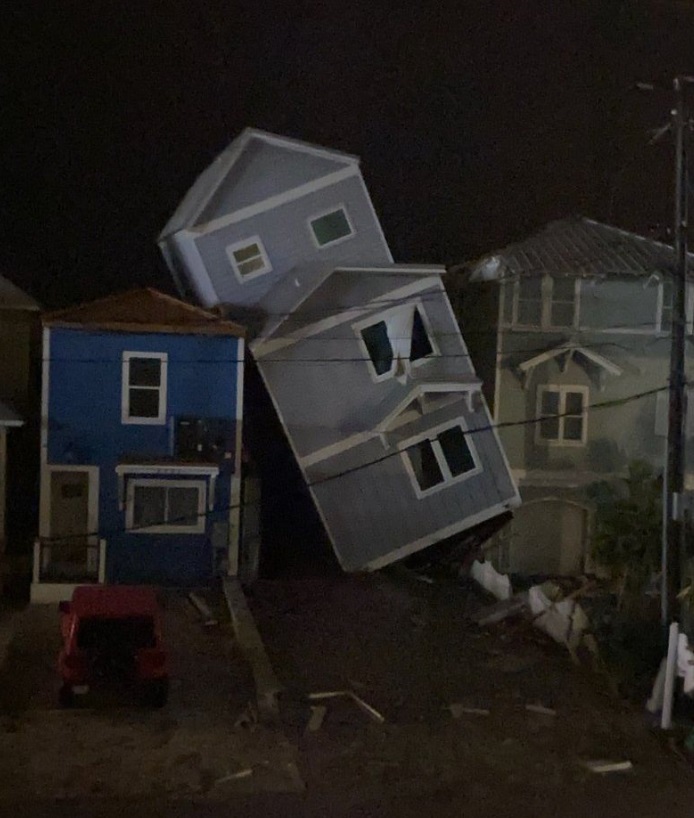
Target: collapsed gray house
[{"x": 362, "y": 357}]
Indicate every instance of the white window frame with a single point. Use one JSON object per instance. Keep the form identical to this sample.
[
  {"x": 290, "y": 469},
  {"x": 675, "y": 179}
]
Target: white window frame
[
  {"x": 546, "y": 301},
  {"x": 396, "y": 343},
  {"x": 316, "y": 216},
  {"x": 126, "y": 386},
  {"x": 562, "y": 390},
  {"x": 448, "y": 478},
  {"x": 242, "y": 245},
  {"x": 689, "y": 307},
  {"x": 200, "y": 524}
]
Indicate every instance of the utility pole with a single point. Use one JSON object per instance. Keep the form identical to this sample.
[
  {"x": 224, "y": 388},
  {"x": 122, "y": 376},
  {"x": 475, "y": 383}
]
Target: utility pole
[{"x": 673, "y": 551}]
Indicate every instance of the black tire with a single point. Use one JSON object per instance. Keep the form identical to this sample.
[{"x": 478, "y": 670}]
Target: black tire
[
  {"x": 66, "y": 697},
  {"x": 156, "y": 693}
]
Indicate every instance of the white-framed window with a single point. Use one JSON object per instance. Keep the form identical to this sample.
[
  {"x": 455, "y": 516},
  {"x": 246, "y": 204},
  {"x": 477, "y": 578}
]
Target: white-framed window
[
  {"x": 165, "y": 506},
  {"x": 545, "y": 301},
  {"x": 330, "y": 227},
  {"x": 143, "y": 391},
  {"x": 248, "y": 258},
  {"x": 562, "y": 415},
  {"x": 396, "y": 340},
  {"x": 439, "y": 458}
]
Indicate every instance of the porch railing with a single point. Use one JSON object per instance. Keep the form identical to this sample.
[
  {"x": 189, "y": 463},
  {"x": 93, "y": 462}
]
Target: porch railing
[{"x": 68, "y": 562}]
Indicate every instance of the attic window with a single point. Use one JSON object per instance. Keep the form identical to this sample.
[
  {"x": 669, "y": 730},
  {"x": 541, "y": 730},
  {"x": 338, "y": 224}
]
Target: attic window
[
  {"x": 398, "y": 339},
  {"x": 248, "y": 259},
  {"x": 329, "y": 228}
]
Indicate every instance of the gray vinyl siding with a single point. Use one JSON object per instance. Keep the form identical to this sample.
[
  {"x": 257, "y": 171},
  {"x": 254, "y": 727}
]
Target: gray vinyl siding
[
  {"x": 616, "y": 434},
  {"x": 324, "y": 384},
  {"x": 287, "y": 239},
  {"x": 620, "y": 304},
  {"x": 264, "y": 170},
  {"x": 373, "y": 509}
]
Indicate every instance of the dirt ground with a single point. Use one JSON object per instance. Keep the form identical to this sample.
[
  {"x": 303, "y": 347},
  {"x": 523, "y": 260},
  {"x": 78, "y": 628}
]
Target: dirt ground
[
  {"x": 111, "y": 748},
  {"x": 411, "y": 649},
  {"x": 408, "y": 648}
]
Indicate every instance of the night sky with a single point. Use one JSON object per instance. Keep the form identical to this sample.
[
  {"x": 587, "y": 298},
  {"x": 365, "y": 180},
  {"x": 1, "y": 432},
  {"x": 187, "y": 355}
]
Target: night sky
[{"x": 477, "y": 122}]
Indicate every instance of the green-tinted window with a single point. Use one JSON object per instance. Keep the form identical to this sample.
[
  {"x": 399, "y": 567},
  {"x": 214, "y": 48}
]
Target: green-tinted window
[{"x": 331, "y": 227}]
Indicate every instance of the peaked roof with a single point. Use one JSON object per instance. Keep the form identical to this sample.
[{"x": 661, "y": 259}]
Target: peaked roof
[
  {"x": 577, "y": 245},
  {"x": 143, "y": 310},
  {"x": 206, "y": 185},
  {"x": 12, "y": 298}
]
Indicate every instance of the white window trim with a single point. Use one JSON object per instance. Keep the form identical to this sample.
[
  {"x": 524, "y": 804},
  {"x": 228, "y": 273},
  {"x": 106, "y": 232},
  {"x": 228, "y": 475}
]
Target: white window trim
[
  {"x": 546, "y": 300},
  {"x": 407, "y": 363},
  {"x": 689, "y": 307},
  {"x": 198, "y": 528},
  {"x": 562, "y": 389},
  {"x": 448, "y": 478},
  {"x": 240, "y": 245},
  {"x": 126, "y": 417},
  {"x": 327, "y": 212}
]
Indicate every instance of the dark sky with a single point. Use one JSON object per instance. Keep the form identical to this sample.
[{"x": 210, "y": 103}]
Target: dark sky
[{"x": 477, "y": 121}]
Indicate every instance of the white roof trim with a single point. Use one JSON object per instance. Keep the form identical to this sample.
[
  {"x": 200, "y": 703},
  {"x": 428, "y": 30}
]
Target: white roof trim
[
  {"x": 570, "y": 350},
  {"x": 228, "y": 158},
  {"x": 167, "y": 468}
]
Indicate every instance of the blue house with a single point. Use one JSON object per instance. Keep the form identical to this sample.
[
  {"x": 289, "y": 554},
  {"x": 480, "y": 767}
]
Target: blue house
[{"x": 140, "y": 445}]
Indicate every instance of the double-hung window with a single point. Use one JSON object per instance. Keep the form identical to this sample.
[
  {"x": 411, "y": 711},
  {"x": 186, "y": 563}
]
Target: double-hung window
[
  {"x": 545, "y": 301},
  {"x": 396, "y": 340},
  {"x": 166, "y": 506},
  {"x": 441, "y": 457},
  {"x": 143, "y": 391},
  {"x": 562, "y": 415},
  {"x": 248, "y": 258}
]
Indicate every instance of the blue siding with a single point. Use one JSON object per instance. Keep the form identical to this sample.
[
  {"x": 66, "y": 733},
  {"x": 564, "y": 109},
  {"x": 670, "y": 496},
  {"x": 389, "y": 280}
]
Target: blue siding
[{"x": 85, "y": 428}]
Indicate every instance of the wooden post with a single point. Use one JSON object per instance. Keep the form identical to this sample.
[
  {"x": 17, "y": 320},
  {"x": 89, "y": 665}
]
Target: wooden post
[
  {"x": 102, "y": 562},
  {"x": 36, "y": 568}
]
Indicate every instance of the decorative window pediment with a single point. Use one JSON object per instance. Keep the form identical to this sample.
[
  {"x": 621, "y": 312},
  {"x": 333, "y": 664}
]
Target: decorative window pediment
[{"x": 396, "y": 340}]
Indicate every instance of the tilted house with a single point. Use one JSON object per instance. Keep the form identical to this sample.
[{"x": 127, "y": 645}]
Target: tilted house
[
  {"x": 362, "y": 357},
  {"x": 140, "y": 451},
  {"x": 584, "y": 316}
]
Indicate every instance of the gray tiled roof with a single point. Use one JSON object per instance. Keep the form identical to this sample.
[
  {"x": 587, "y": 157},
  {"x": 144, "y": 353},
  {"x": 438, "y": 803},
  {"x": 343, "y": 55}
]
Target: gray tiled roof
[{"x": 578, "y": 246}]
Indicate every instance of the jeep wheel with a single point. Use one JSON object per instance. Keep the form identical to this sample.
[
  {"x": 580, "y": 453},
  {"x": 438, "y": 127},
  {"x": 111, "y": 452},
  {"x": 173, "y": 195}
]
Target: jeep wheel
[
  {"x": 156, "y": 693},
  {"x": 66, "y": 697}
]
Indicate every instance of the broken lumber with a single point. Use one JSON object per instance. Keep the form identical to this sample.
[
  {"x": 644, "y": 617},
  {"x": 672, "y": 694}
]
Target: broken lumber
[{"x": 502, "y": 610}]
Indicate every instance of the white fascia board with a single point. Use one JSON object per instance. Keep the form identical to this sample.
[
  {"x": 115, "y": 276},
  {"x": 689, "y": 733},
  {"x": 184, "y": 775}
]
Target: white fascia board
[
  {"x": 301, "y": 146},
  {"x": 276, "y": 201},
  {"x": 262, "y": 349},
  {"x": 404, "y": 269},
  {"x": 200, "y": 282},
  {"x": 441, "y": 534}
]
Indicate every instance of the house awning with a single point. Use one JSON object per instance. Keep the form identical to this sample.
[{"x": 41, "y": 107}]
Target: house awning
[
  {"x": 564, "y": 354},
  {"x": 8, "y": 415},
  {"x": 418, "y": 395}
]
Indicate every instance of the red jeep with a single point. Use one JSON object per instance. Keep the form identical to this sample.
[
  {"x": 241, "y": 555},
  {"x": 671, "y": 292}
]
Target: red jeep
[{"x": 112, "y": 634}]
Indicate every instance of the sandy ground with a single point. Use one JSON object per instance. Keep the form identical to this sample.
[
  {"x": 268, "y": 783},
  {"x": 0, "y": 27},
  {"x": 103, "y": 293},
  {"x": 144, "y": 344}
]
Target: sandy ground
[
  {"x": 411, "y": 649},
  {"x": 111, "y": 748}
]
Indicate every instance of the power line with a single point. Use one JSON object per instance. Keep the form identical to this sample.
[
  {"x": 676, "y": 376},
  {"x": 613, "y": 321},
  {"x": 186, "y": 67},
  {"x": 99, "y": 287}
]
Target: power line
[{"x": 345, "y": 472}]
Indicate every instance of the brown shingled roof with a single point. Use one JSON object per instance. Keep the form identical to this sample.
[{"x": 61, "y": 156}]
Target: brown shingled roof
[{"x": 141, "y": 310}]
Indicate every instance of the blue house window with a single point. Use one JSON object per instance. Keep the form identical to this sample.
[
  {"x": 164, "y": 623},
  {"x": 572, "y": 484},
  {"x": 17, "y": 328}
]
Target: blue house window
[
  {"x": 329, "y": 228},
  {"x": 165, "y": 506},
  {"x": 143, "y": 395}
]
